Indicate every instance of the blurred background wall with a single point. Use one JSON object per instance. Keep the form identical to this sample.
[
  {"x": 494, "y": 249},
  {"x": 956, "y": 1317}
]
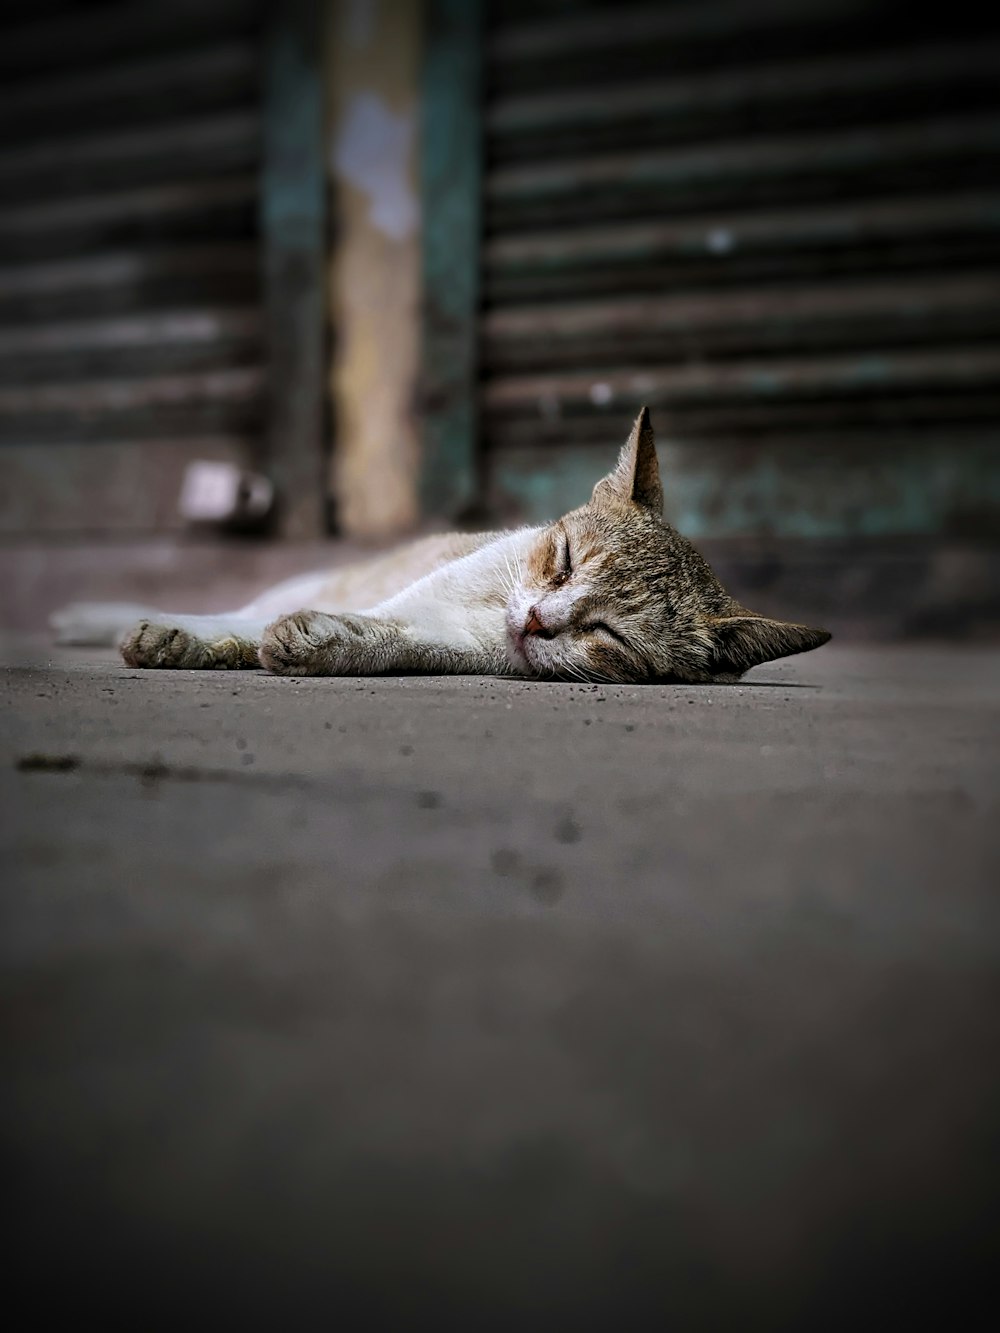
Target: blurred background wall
[{"x": 419, "y": 263}]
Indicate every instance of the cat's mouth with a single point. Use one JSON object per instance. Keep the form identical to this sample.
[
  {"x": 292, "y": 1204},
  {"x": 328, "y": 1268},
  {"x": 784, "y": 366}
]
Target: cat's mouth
[
  {"x": 518, "y": 650},
  {"x": 528, "y": 651},
  {"x": 526, "y": 655},
  {"x": 515, "y": 648}
]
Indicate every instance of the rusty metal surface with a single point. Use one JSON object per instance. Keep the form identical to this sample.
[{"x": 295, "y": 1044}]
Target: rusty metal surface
[
  {"x": 225, "y": 74},
  {"x": 85, "y": 224},
  {"x": 960, "y": 148},
  {"x": 781, "y": 98},
  {"x": 792, "y": 239},
  {"x": 574, "y": 29},
  {"x": 111, "y": 32},
  {"x": 661, "y": 329},
  {"x": 131, "y": 329},
  {"x": 195, "y": 148},
  {"x": 92, "y": 396},
  {"x": 731, "y": 248},
  {"x": 178, "y": 326},
  {"x": 864, "y": 374},
  {"x": 126, "y": 281}
]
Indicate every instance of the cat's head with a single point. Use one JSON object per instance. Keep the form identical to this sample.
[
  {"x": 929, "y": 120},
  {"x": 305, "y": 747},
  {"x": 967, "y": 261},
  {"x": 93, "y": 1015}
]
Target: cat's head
[{"x": 612, "y": 592}]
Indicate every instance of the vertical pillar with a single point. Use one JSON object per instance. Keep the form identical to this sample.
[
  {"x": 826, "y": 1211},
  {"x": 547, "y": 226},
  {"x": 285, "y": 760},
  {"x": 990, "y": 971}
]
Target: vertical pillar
[
  {"x": 451, "y": 175},
  {"x": 374, "y": 56},
  {"x": 293, "y": 227}
]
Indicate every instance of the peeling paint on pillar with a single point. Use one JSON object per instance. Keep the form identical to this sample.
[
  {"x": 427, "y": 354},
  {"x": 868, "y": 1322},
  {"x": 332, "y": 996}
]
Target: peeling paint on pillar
[{"x": 374, "y": 63}]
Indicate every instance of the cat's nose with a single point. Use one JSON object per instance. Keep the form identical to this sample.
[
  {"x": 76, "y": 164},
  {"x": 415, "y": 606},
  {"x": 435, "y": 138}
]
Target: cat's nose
[{"x": 535, "y": 625}]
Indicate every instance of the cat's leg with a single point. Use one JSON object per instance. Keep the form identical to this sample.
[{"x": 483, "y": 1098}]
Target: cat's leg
[
  {"x": 313, "y": 643},
  {"x": 200, "y": 643},
  {"x": 453, "y": 620}
]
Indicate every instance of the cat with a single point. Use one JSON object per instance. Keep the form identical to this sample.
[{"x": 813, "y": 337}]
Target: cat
[{"x": 608, "y": 593}]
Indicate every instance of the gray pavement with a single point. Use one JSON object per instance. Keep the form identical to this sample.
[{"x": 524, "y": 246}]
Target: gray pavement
[{"x": 515, "y": 1005}]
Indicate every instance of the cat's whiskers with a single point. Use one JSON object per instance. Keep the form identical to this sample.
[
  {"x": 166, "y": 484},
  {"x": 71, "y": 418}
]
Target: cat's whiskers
[
  {"x": 467, "y": 604},
  {"x": 509, "y": 582},
  {"x": 571, "y": 671}
]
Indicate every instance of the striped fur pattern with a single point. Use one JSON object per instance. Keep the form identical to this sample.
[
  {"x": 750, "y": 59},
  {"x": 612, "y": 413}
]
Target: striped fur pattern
[{"x": 610, "y": 592}]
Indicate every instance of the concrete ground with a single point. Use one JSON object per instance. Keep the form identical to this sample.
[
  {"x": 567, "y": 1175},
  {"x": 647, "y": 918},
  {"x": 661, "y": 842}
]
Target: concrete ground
[{"x": 349, "y": 1002}]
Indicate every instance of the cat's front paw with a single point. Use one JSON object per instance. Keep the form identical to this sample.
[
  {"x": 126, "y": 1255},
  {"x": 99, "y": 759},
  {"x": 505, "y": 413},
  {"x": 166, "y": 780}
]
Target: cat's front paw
[
  {"x": 291, "y": 646},
  {"x": 312, "y": 643},
  {"x": 147, "y": 644}
]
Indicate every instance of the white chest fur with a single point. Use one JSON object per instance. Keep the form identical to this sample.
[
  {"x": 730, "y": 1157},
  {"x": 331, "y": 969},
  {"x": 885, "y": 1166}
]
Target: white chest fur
[{"x": 463, "y": 604}]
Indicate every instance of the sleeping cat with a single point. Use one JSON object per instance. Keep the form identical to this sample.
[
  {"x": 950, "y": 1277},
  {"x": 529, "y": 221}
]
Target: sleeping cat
[{"x": 609, "y": 593}]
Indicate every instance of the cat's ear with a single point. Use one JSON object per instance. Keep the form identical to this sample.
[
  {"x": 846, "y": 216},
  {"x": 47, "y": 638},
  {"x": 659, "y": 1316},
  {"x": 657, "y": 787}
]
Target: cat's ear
[
  {"x": 742, "y": 641},
  {"x": 636, "y": 478}
]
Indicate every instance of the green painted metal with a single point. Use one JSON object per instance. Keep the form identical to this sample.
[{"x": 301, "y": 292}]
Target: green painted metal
[
  {"x": 891, "y": 485},
  {"x": 293, "y": 194},
  {"x": 451, "y": 186},
  {"x": 788, "y": 248}
]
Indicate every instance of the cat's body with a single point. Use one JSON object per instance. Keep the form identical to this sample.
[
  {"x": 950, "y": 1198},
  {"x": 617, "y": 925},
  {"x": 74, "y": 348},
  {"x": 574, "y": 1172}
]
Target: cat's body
[{"x": 610, "y": 592}]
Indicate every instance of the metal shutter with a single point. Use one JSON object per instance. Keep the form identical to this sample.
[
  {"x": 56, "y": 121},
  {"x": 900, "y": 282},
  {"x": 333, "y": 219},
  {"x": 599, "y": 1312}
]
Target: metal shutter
[
  {"x": 779, "y": 225},
  {"x": 130, "y": 321}
]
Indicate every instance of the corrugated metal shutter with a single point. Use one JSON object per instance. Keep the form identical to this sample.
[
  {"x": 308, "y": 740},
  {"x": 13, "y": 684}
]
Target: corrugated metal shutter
[
  {"x": 777, "y": 223},
  {"x": 130, "y": 322}
]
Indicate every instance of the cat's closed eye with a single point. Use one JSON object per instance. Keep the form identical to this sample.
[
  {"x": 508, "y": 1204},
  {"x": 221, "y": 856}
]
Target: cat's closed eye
[
  {"x": 601, "y": 627},
  {"x": 564, "y": 562}
]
